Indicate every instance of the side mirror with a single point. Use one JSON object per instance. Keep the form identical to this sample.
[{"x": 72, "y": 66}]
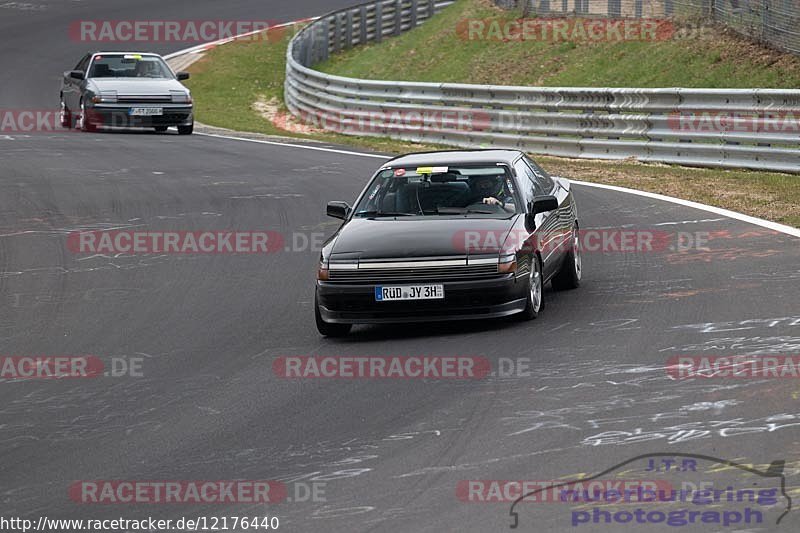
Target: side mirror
[
  {"x": 540, "y": 204},
  {"x": 338, "y": 210},
  {"x": 543, "y": 204},
  {"x": 77, "y": 74},
  {"x": 182, "y": 75}
]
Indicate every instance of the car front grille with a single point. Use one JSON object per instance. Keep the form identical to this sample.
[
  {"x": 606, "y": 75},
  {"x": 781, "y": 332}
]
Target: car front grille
[
  {"x": 144, "y": 98},
  {"x": 415, "y": 274}
]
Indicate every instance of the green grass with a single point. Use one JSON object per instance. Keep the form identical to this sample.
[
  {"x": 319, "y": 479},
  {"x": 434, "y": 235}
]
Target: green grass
[
  {"x": 436, "y": 51},
  {"x": 231, "y": 78}
]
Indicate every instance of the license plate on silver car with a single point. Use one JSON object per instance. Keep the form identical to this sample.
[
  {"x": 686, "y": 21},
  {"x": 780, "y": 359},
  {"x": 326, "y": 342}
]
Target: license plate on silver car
[
  {"x": 146, "y": 111},
  {"x": 409, "y": 292}
]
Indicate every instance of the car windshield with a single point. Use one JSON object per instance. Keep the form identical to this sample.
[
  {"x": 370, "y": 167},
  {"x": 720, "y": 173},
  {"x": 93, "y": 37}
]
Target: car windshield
[
  {"x": 129, "y": 66},
  {"x": 438, "y": 190}
]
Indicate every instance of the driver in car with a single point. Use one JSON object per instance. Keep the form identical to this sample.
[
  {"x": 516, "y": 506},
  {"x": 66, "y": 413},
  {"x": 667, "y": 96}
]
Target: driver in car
[{"x": 490, "y": 190}]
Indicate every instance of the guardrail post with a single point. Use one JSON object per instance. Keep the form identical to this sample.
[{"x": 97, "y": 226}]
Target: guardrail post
[
  {"x": 614, "y": 8},
  {"x": 324, "y": 42},
  {"x": 337, "y": 32},
  {"x": 398, "y": 17},
  {"x": 378, "y": 22},
  {"x": 431, "y": 8},
  {"x": 362, "y": 23},
  {"x": 308, "y": 46},
  {"x": 414, "y": 8},
  {"x": 348, "y": 30}
]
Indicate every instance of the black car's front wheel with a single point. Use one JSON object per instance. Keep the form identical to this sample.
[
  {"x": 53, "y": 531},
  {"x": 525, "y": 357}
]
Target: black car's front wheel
[
  {"x": 329, "y": 329},
  {"x": 569, "y": 277},
  {"x": 534, "y": 301},
  {"x": 186, "y": 130}
]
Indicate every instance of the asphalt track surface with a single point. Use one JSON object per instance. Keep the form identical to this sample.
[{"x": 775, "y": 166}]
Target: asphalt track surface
[{"x": 391, "y": 452}]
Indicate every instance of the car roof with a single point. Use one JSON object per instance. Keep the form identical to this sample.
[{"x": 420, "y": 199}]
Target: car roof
[
  {"x": 455, "y": 157},
  {"x": 117, "y": 52}
]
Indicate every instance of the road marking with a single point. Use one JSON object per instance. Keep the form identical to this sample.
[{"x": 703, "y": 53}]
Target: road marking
[
  {"x": 209, "y": 45},
  {"x": 795, "y": 232},
  {"x": 291, "y": 145}
]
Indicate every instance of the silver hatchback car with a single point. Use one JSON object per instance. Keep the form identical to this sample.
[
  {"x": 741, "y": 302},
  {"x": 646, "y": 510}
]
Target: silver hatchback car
[{"x": 125, "y": 90}]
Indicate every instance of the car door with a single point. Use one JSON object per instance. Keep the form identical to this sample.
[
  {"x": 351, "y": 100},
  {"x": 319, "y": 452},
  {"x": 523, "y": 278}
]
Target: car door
[
  {"x": 564, "y": 215},
  {"x": 546, "y": 234},
  {"x": 72, "y": 87}
]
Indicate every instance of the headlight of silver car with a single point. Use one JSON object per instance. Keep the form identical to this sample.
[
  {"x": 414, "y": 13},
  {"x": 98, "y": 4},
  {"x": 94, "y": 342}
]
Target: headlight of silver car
[
  {"x": 181, "y": 97},
  {"x": 105, "y": 97}
]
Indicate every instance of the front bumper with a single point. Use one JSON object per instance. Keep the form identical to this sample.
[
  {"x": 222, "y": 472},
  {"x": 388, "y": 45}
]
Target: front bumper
[
  {"x": 118, "y": 115},
  {"x": 486, "y": 298}
]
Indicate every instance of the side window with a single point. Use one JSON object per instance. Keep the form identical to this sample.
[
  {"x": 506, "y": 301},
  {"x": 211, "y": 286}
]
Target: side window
[
  {"x": 83, "y": 63},
  {"x": 527, "y": 185},
  {"x": 540, "y": 176}
]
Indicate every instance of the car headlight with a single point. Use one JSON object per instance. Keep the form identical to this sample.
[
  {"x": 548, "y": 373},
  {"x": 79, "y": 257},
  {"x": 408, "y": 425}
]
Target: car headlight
[
  {"x": 507, "y": 263},
  {"x": 105, "y": 98},
  {"x": 181, "y": 98},
  {"x": 322, "y": 271}
]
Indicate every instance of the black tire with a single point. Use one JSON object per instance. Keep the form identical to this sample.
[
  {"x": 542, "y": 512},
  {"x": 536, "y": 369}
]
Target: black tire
[
  {"x": 569, "y": 276},
  {"x": 160, "y": 129},
  {"x": 533, "y": 308},
  {"x": 329, "y": 329},
  {"x": 186, "y": 130}
]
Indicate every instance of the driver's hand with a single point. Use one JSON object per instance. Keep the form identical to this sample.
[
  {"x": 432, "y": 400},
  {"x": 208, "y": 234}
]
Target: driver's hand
[{"x": 491, "y": 201}]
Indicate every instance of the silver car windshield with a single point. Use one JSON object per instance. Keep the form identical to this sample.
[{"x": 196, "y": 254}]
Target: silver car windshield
[{"x": 129, "y": 66}]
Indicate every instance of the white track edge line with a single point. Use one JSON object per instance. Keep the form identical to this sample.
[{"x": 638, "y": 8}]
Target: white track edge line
[
  {"x": 292, "y": 145},
  {"x": 782, "y": 228}
]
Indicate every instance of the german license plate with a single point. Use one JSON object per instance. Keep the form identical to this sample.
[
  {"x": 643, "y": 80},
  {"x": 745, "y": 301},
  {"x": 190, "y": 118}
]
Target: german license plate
[
  {"x": 409, "y": 292},
  {"x": 146, "y": 111}
]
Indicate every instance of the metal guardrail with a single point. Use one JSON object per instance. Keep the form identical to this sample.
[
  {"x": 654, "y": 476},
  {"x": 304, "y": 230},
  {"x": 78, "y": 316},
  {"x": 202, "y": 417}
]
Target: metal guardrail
[{"x": 735, "y": 128}]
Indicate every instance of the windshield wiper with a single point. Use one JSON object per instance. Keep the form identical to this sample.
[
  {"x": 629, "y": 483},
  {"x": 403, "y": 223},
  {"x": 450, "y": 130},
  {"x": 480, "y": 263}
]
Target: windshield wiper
[
  {"x": 463, "y": 211},
  {"x": 375, "y": 213}
]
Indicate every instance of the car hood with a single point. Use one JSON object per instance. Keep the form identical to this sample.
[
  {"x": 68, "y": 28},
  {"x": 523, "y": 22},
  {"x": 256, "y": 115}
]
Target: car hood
[
  {"x": 137, "y": 85},
  {"x": 384, "y": 238}
]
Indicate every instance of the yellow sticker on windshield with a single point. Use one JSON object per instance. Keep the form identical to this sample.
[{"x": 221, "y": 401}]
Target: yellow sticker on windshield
[
  {"x": 431, "y": 170},
  {"x": 133, "y": 56}
]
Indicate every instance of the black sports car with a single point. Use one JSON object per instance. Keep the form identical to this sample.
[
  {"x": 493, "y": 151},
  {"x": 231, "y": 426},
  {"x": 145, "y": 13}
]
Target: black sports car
[{"x": 448, "y": 235}]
